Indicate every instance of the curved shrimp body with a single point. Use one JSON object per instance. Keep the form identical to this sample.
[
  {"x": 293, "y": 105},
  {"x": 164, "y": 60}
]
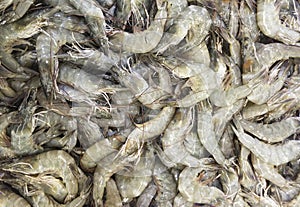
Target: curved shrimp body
[
  {"x": 94, "y": 16},
  {"x": 272, "y": 154},
  {"x": 57, "y": 162},
  {"x": 112, "y": 195},
  {"x": 173, "y": 139},
  {"x": 95, "y": 153},
  {"x": 206, "y": 133},
  {"x": 269, "y": 23},
  {"x": 275, "y": 132},
  {"x": 142, "y": 42},
  {"x": 10, "y": 199},
  {"x": 192, "y": 189},
  {"x": 144, "y": 132}
]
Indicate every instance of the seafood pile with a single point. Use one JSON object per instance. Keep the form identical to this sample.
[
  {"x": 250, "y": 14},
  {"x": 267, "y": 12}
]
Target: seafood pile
[{"x": 149, "y": 103}]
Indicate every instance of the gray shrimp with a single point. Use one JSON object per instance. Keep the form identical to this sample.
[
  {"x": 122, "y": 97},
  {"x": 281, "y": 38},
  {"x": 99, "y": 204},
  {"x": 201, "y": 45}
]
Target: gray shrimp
[
  {"x": 193, "y": 190},
  {"x": 275, "y": 132},
  {"x": 131, "y": 183},
  {"x": 94, "y": 16},
  {"x": 272, "y": 154},
  {"x": 55, "y": 161},
  {"x": 270, "y": 24},
  {"x": 147, "y": 40},
  {"x": 10, "y": 199},
  {"x": 179, "y": 201},
  {"x": 112, "y": 195},
  {"x": 165, "y": 182},
  {"x": 147, "y": 195},
  {"x": 206, "y": 133},
  {"x": 148, "y": 130},
  {"x": 173, "y": 138}
]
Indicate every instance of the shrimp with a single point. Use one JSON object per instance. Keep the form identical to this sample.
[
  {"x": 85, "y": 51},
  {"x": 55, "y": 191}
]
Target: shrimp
[
  {"x": 19, "y": 10},
  {"x": 95, "y": 153},
  {"x": 268, "y": 12},
  {"x": 165, "y": 182},
  {"x": 275, "y": 132},
  {"x": 94, "y": 16},
  {"x": 57, "y": 162},
  {"x": 193, "y": 20},
  {"x": 193, "y": 188},
  {"x": 268, "y": 172},
  {"x": 272, "y": 154},
  {"x": 147, "y": 40},
  {"x": 175, "y": 8},
  {"x": 103, "y": 172},
  {"x": 206, "y": 133},
  {"x": 172, "y": 140},
  {"x": 47, "y": 45},
  {"x": 147, "y": 195},
  {"x": 146, "y": 131},
  {"x": 179, "y": 201},
  {"x": 6, "y": 89},
  {"x": 112, "y": 195},
  {"x": 131, "y": 183},
  {"x": 10, "y": 199},
  {"x": 267, "y": 55},
  {"x": 193, "y": 145}
]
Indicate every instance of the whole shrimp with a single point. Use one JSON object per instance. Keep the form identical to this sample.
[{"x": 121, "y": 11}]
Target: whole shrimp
[
  {"x": 193, "y": 189},
  {"x": 270, "y": 24},
  {"x": 206, "y": 133},
  {"x": 94, "y": 16},
  {"x": 57, "y": 162},
  {"x": 112, "y": 195},
  {"x": 147, "y": 40},
  {"x": 173, "y": 138},
  {"x": 272, "y": 154},
  {"x": 10, "y": 199},
  {"x": 275, "y": 132},
  {"x": 131, "y": 183},
  {"x": 147, "y": 195},
  {"x": 147, "y": 130}
]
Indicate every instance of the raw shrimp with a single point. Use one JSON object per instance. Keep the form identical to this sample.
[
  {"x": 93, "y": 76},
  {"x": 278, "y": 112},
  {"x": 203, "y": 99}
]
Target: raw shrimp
[
  {"x": 275, "y": 132},
  {"x": 19, "y": 10},
  {"x": 267, "y": 55},
  {"x": 144, "y": 41},
  {"x": 248, "y": 178},
  {"x": 193, "y": 189},
  {"x": 131, "y": 183},
  {"x": 270, "y": 24},
  {"x": 146, "y": 131},
  {"x": 147, "y": 195},
  {"x": 165, "y": 182},
  {"x": 94, "y": 16},
  {"x": 179, "y": 201},
  {"x": 175, "y": 8},
  {"x": 173, "y": 138},
  {"x": 268, "y": 172},
  {"x": 6, "y": 89},
  {"x": 206, "y": 133},
  {"x": 56, "y": 161},
  {"x": 47, "y": 45},
  {"x": 272, "y": 154},
  {"x": 10, "y": 199},
  {"x": 95, "y": 153},
  {"x": 193, "y": 145},
  {"x": 193, "y": 20},
  {"x": 104, "y": 170},
  {"x": 113, "y": 198}
]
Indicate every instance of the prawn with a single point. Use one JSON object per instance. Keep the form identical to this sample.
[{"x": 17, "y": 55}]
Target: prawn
[
  {"x": 147, "y": 40},
  {"x": 275, "y": 132},
  {"x": 94, "y": 16},
  {"x": 270, "y": 24},
  {"x": 193, "y": 190},
  {"x": 146, "y": 131},
  {"x": 206, "y": 133},
  {"x": 172, "y": 140},
  {"x": 45, "y": 162},
  {"x": 112, "y": 195},
  {"x": 10, "y": 199},
  {"x": 147, "y": 195},
  {"x": 272, "y": 154}
]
